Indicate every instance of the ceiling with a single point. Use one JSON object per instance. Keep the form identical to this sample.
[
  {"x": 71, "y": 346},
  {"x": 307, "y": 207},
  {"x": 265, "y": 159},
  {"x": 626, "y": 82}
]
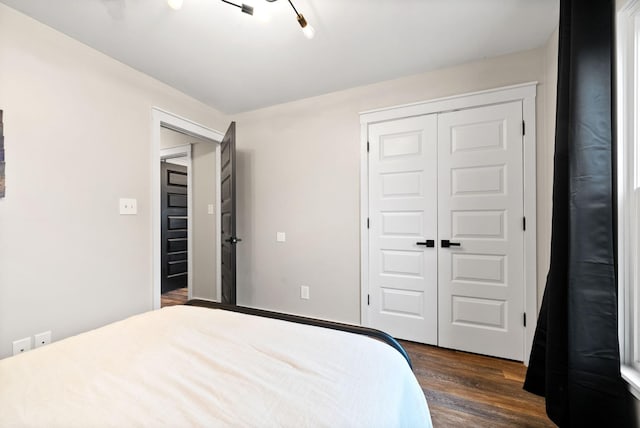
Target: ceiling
[{"x": 235, "y": 62}]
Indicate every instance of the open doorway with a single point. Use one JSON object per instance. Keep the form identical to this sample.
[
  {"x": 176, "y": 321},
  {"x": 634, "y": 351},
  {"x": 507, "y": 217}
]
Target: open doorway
[
  {"x": 188, "y": 223},
  {"x": 175, "y": 187},
  {"x": 176, "y": 278},
  {"x": 192, "y": 153}
]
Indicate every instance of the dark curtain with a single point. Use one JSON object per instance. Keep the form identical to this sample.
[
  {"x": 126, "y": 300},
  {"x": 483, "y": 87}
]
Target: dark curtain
[{"x": 575, "y": 361}]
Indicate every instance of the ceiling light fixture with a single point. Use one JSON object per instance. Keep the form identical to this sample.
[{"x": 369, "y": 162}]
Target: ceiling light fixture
[
  {"x": 245, "y": 8},
  {"x": 175, "y": 4},
  {"x": 307, "y": 29}
]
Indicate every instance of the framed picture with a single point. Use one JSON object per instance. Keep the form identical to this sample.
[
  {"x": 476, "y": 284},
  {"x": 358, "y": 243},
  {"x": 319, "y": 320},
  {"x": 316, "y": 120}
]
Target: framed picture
[{"x": 2, "y": 186}]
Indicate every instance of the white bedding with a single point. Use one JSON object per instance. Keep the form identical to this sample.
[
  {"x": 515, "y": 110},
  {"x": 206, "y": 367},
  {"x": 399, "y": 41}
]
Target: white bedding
[{"x": 189, "y": 366}]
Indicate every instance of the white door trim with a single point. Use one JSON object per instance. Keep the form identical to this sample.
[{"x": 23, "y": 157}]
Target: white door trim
[
  {"x": 179, "y": 152},
  {"x": 163, "y": 119},
  {"x": 455, "y": 102},
  {"x": 628, "y": 106},
  {"x": 526, "y": 93},
  {"x": 176, "y": 152}
]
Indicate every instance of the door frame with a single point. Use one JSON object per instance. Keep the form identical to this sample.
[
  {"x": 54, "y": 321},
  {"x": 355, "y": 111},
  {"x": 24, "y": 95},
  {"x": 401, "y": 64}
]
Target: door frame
[
  {"x": 526, "y": 93},
  {"x": 164, "y": 119}
]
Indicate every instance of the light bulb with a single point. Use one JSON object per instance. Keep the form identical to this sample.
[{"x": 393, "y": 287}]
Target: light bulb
[
  {"x": 175, "y": 4},
  {"x": 261, "y": 15},
  {"x": 308, "y": 31}
]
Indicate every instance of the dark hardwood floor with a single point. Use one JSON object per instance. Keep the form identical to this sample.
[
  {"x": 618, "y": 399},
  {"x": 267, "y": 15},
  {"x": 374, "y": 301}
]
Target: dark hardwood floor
[
  {"x": 174, "y": 297},
  {"x": 469, "y": 390}
]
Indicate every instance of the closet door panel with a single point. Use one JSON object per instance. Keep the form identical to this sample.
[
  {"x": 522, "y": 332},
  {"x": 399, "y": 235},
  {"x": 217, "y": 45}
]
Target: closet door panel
[
  {"x": 480, "y": 207},
  {"x": 402, "y": 212}
]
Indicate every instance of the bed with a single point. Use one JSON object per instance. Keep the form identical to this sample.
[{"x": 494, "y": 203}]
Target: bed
[{"x": 191, "y": 365}]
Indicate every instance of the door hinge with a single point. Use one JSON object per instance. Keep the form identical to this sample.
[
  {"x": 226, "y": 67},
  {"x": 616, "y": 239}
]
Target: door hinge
[
  {"x": 524, "y": 223},
  {"x": 524, "y": 319},
  {"x": 368, "y": 300},
  {"x": 367, "y": 222},
  {"x": 367, "y": 147},
  {"x": 523, "y": 128}
]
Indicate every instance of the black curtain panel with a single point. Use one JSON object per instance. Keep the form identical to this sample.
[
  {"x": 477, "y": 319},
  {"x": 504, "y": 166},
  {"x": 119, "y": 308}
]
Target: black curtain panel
[{"x": 575, "y": 361}]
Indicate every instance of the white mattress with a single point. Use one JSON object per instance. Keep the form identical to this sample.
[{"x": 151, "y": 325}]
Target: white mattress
[{"x": 188, "y": 366}]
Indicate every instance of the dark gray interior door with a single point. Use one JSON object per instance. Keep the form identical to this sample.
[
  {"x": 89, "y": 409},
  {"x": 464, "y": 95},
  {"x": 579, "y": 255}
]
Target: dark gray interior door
[
  {"x": 174, "y": 253},
  {"x": 228, "y": 215}
]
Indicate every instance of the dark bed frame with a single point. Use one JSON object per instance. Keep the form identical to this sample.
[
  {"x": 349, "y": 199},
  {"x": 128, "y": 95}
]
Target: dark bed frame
[{"x": 375, "y": 334}]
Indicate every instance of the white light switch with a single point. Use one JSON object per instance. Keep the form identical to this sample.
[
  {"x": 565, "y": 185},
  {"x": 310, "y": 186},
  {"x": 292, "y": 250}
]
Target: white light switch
[
  {"x": 128, "y": 206},
  {"x": 210, "y": 209},
  {"x": 281, "y": 237}
]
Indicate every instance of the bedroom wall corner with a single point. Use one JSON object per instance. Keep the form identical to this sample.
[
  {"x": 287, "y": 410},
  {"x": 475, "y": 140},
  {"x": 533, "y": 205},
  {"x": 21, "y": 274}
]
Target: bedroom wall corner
[{"x": 78, "y": 137}]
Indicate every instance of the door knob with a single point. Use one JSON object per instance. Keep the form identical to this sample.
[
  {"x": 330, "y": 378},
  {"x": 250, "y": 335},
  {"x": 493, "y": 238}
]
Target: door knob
[
  {"x": 445, "y": 243},
  {"x": 233, "y": 240},
  {"x": 429, "y": 243}
]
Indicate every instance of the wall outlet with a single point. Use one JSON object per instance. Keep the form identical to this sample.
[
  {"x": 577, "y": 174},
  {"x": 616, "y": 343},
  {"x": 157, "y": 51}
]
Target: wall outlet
[
  {"x": 128, "y": 206},
  {"x": 210, "y": 209},
  {"x": 21, "y": 345},
  {"x": 281, "y": 236},
  {"x": 304, "y": 292},
  {"x": 42, "y": 339}
]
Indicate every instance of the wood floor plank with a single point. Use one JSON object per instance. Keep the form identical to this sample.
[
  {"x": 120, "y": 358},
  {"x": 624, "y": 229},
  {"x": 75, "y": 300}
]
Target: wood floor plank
[
  {"x": 174, "y": 297},
  {"x": 469, "y": 390}
]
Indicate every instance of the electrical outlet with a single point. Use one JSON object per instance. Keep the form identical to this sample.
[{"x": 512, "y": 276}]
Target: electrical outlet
[
  {"x": 128, "y": 206},
  {"x": 281, "y": 237},
  {"x": 304, "y": 292},
  {"x": 42, "y": 339},
  {"x": 21, "y": 345}
]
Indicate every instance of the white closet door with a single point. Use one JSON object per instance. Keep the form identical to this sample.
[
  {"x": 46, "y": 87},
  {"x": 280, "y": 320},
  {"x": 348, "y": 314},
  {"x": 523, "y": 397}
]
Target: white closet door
[
  {"x": 480, "y": 204},
  {"x": 403, "y": 215}
]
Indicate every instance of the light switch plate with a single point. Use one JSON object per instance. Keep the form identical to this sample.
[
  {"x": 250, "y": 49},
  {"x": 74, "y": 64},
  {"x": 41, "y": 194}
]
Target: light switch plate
[
  {"x": 128, "y": 206},
  {"x": 210, "y": 209},
  {"x": 304, "y": 292},
  {"x": 281, "y": 237}
]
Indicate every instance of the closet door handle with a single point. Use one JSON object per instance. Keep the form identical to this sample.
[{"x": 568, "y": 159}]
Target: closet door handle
[
  {"x": 445, "y": 243},
  {"x": 429, "y": 243}
]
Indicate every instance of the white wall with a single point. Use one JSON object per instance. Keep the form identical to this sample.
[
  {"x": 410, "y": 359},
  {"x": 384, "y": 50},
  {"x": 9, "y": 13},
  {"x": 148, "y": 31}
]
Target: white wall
[
  {"x": 204, "y": 224},
  {"x": 77, "y": 127},
  {"x": 545, "y": 160},
  {"x": 298, "y": 172},
  {"x": 170, "y": 138}
]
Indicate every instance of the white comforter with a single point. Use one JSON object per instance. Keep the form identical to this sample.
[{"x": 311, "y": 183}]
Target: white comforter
[{"x": 188, "y": 366}]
